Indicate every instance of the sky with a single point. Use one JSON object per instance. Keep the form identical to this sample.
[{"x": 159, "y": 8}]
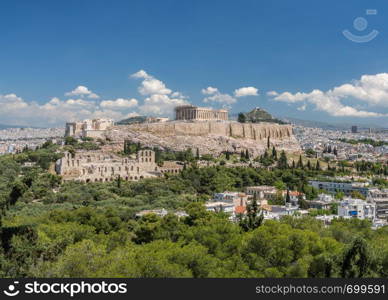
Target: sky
[{"x": 313, "y": 60}]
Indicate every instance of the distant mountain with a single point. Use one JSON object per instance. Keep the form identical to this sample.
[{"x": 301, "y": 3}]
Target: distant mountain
[
  {"x": 5, "y": 126},
  {"x": 326, "y": 125},
  {"x": 258, "y": 115},
  {"x": 132, "y": 120}
]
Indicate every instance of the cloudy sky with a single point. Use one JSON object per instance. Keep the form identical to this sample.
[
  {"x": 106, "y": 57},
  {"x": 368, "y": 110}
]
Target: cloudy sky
[{"x": 71, "y": 60}]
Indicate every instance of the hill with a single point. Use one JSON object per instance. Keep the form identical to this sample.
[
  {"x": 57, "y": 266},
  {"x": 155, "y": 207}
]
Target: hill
[
  {"x": 258, "y": 115},
  {"x": 132, "y": 120}
]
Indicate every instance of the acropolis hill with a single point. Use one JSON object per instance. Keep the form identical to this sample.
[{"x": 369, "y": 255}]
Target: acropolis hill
[
  {"x": 205, "y": 129},
  {"x": 211, "y": 137}
]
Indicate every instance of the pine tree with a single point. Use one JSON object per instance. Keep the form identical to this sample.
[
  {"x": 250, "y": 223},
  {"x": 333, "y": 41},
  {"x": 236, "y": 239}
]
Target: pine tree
[
  {"x": 309, "y": 165},
  {"x": 197, "y": 154},
  {"x": 293, "y": 164},
  {"x": 318, "y": 166},
  {"x": 227, "y": 155},
  {"x": 357, "y": 260},
  {"x": 268, "y": 143},
  {"x": 247, "y": 154}
]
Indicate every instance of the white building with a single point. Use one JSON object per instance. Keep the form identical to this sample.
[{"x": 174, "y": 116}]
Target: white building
[
  {"x": 346, "y": 187},
  {"x": 356, "y": 208},
  {"x": 380, "y": 198},
  {"x": 225, "y": 207},
  {"x": 262, "y": 191},
  {"x": 88, "y": 128},
  {"x": 237, "y": 198}
]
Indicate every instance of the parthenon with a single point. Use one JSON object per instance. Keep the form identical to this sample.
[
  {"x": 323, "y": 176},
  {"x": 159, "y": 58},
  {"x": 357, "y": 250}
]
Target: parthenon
[{"x": 190, "y": 112}]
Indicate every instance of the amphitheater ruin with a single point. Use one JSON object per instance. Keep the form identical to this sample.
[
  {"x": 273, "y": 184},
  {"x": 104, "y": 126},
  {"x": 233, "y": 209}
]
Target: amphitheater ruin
[{"x": 99, "y": 166}]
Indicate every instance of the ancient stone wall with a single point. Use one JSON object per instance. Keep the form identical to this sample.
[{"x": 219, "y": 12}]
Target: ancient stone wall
[
  {"x": 207, "y": 137},
  {"x": 237, "y": 130}
]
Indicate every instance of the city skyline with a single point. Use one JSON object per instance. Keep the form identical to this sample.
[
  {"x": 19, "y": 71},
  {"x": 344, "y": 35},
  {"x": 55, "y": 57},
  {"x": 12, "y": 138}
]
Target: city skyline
[{"x": 61, "y": 62}]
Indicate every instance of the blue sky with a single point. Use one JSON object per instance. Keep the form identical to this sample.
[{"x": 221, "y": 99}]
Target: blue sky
[{"x": 49, "y": 48}]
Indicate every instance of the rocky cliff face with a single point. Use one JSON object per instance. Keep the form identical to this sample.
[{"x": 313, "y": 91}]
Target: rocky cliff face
[{"x": 209, "y": 137}]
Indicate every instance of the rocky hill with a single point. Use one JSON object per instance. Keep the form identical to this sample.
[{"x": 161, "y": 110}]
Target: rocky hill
[
  {"x": 209, "y": 137},
  {"x": 258, "y": 115},
  {"x": 132, "y": 120}
]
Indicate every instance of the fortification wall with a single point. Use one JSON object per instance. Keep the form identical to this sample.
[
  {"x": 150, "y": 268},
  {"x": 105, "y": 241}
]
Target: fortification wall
[{"x": 237, "y": 130}]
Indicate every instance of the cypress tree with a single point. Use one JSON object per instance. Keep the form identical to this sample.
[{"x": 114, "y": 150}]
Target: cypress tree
[
  {"x": 300, "y": 162},
  {"x": 288, "y": 197},
  {"x": 274, "y": 153},
  {"x": 318, "y": 166}
]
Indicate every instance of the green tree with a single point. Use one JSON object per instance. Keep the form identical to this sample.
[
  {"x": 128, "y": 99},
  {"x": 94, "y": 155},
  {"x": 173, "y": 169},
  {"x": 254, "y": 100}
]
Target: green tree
[
  {"x": 242, "y": 118},
  {"x": 254, "y": 217},
  {"x": 299, "y": 165},
  {"x": 357, "y": 260},
  {"x": 282, "y": 162}
]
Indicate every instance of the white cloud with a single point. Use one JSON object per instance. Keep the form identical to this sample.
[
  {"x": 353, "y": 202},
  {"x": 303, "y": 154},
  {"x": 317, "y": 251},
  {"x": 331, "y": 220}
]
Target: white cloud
[
  {"x": 272, "y": 93},
  {"x": 246, "y": 91},
  {"x": 371, "y": 89},
  {"x": 160, "y": 105},
  {"x": 141, "y": 74},
  {"x": 209, "y": 90},
  {"x": 152, "y": 86},
  {"x": 11, "y": 102},
  {"x": 220, "y": 98},
  {"x": 159, "y": 100},
  {"x": 215, "y": 96},
  {"x": 16, "y": 111},
  {"x": 119, "y": 103},
  {"x": 82, "y": 91}
]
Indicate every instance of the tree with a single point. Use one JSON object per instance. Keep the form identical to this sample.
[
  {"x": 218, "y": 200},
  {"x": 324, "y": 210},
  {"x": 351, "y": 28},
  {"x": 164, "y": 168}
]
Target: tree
[
  {"x": 310, "y": 152},
  {"x": 247, "y": 154},
  {"x": 308, "y": 165},
  {"x": 227, "y": 155},
  {"x": 254, "y": 217},
  {"x": 274, "y": 153},
  {"x": 197, "y": 154},
  {"x": 282, "y": 162},
  {"x": 69, "y": 140},
  {"x": 357, "y": 260},
  {"x": 300, "y": 163},
  {"x": 242, "y": 155},
  {"x": 318, "y": 166},
  {"x": 118, "y": 181},
  {"x": 268, "y": 142},
  {"x": 242, "y": 118},
  {"x": 288, "y": 197}
]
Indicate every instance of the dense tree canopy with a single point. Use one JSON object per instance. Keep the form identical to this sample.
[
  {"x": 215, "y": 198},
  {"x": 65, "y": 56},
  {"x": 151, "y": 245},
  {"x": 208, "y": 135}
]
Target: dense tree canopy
[{"x": 73, "y": 229}]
